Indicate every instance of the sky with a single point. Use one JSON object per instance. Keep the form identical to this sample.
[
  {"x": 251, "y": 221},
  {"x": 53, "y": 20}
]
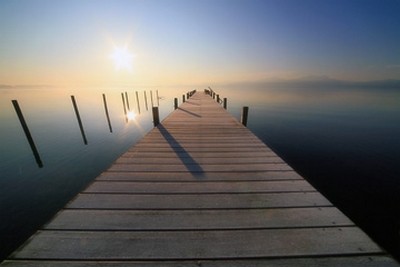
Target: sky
[{"x": 193, "y": 42}]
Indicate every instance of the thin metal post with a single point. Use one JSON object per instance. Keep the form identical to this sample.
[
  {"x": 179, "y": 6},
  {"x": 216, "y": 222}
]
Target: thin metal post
[
  {"x": 158, "y": 99},
  {"x": 127, "y": 100},
  {"x": 123, "y": 102},
  {"x": 107, "y": 115},
  {"x": 245, "y": 113},
  {"x": 225, "y": 102},
  {"x": 27, "y": 133},
  {"x": 156, "y": 117},
  {"x": 151, "y": 98},
  {"x": 137, "y": 100},
  {"x": 78, "y": 117},
  {"x": 145, "y": 100},
  {"x": 175, "y": 103}
]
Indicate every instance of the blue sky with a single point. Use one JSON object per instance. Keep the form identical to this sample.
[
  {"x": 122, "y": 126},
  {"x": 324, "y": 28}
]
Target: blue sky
[{"x": 195, "y": 42}]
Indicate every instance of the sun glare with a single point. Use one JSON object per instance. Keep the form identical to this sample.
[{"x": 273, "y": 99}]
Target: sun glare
[
  {"x": 131, "y": 115},
  {"x": 122, "y": 58}
]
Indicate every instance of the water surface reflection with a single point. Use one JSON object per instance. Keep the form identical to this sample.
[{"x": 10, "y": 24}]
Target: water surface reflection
[
  {"x": 344, "y": 141},
  {"x": 29, "y": 195}
]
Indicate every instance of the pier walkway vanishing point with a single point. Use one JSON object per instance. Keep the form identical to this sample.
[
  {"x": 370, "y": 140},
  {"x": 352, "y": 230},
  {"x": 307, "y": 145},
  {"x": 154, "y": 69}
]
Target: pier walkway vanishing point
[{"x": 200, "y": 190}]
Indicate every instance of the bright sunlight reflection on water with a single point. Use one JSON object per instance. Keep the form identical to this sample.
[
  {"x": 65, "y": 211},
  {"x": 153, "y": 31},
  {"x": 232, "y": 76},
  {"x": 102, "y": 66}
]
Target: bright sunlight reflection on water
[{"x": 131, "y": 115}]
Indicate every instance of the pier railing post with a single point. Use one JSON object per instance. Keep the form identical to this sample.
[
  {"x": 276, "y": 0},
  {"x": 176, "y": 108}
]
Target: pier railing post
[
  {"x": 183, "y": 98},
  {"x": 218, "y": 98},
  {"x": 156, "y": 116},
  {"x": 175, "y": 103},
  {"x": 225, "y": 102},
  {"x": 245, "y": 113}
]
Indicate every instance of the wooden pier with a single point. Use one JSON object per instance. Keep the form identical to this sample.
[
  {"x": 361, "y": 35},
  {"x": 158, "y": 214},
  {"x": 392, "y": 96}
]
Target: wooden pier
[{"x": 200, "y": 190}]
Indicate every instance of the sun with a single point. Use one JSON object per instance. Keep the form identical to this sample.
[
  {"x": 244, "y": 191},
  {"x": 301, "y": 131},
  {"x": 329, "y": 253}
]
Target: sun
[{"x": 122, "y": 58}]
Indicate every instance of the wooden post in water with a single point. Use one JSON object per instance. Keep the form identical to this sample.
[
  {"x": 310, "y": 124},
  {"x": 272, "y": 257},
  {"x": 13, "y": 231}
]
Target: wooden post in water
[
  {"x": 123, "y": 102},
  {"x": 27, "y": 133},
  {"x": 183, "y": 98},
  {"x": 187, "y": 95},
  {"x": 158, "y": 99},
  {"x": 107, "y": 115},
  {"x": 156, "y": 117},
  {"x": 78, "y": 117},
  {"x": 218, "y": 99},
  {"x": 225, "y": 102},
  {"x": 151, "y": 98},
  {"x": 145, "y": 100},
  {"x": 245, "y": 113},
  {"x": 137, "y": 100},
  {"x": 127, "y": 101},
  {"x": 175, "y": 103}
]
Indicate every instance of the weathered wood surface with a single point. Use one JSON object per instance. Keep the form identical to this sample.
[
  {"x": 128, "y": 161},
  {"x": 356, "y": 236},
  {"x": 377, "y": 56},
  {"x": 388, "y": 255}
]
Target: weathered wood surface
[
  {"x": 355, "y": 261},
  {"x": 200, "y": 190},
  {"x": 215, "y": 244},
  {"x": 137, "y": 220},
  {"x": 200, "y": 187}
]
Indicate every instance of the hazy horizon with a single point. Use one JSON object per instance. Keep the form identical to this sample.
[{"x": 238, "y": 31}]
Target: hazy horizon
[{"x": 271, "y": 83}]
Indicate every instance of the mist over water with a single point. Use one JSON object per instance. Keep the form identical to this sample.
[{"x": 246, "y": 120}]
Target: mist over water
[{"x": 342, "y": 140}]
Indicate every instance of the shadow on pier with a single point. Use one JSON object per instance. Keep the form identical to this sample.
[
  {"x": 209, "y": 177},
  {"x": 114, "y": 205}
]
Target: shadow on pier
[{"x": 191, "y": 165}]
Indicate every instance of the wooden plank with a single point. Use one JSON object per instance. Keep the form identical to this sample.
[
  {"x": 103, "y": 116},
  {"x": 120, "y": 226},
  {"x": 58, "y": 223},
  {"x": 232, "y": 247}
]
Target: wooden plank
[
  {"x": 157, "y": 137},
  {"x": 199, "y": 187},
  {"x": 209, "y": 176},
  {"x": 158, "y": 154},
  {"x": 188, "y": 145},
  {"x": 195, "y": 167},
  {"x": 354, "y": 261},
  {"x": 187, "y": 159},
  {"x": 197, "y": 219},
  {"x": 198, "y": 201},
  {"x": 331, "y": 261},
  {"x": 201, "y": 149},
  {"x": 197, "y": 244}
]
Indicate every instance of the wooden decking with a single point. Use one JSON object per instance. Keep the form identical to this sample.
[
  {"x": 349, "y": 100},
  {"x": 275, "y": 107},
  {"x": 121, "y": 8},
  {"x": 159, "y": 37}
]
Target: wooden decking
[{"x": 200, "y": 190}]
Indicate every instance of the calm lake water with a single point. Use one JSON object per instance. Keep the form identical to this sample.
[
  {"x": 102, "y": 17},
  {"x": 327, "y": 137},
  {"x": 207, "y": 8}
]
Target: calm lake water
[{"x": 344, "y": 141}]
